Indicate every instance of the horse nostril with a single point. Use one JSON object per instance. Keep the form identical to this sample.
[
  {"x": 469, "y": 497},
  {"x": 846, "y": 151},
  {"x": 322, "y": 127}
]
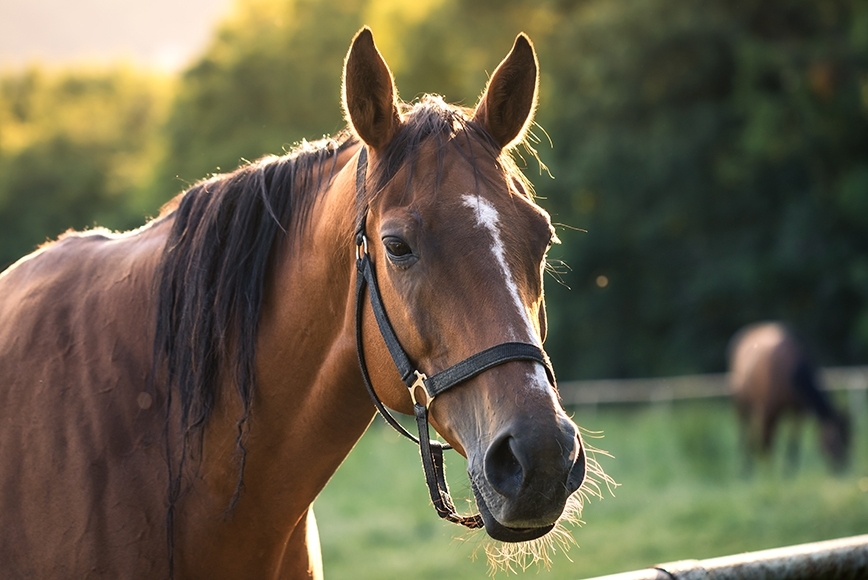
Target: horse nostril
[
  {"x": 577, "y": 472},
  {"x": 503, "y": 469}
]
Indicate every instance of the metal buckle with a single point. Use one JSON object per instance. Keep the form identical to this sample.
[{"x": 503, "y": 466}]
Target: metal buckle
[
  {"x": 362, "y": 248},
  {"x": 420, "y": 383}
]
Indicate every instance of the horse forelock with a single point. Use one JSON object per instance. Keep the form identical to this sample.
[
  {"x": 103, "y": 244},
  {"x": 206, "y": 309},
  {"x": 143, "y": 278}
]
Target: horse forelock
[{"x": 431, "y": 120}]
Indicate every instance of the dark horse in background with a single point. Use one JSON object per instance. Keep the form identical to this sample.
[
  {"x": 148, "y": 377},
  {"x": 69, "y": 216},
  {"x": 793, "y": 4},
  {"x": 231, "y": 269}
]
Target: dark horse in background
[
  {"x": 173, "y": 399},
  {"x": 772, "y": 377}
]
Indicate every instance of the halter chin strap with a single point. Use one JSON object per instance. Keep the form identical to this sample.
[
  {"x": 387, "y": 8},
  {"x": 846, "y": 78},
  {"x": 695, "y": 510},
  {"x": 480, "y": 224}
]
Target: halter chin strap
[{"x": 423, "y": 389}]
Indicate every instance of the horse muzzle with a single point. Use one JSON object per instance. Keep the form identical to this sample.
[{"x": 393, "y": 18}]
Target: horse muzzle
[{"x": 525, "y": 479}]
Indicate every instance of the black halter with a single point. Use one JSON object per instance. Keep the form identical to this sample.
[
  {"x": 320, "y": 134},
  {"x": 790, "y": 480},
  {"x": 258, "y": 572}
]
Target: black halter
[{"x": 416, "y": 381}]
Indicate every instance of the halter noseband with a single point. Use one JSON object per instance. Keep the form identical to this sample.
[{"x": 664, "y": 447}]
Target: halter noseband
[{"x": 423, "y": 389}]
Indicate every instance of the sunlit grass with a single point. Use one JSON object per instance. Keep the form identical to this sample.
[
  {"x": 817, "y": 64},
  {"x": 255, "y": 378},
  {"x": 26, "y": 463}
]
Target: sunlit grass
[{"x": 682, "y": 495}]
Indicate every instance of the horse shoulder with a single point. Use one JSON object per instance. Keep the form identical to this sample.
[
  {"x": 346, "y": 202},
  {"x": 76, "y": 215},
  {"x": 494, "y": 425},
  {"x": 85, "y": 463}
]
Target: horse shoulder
[{"x": 755, "y": 368}]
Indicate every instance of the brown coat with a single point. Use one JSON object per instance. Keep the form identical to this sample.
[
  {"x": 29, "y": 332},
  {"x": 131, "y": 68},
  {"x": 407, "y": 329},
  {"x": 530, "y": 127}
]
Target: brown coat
[{"x": 772, "y": 377}]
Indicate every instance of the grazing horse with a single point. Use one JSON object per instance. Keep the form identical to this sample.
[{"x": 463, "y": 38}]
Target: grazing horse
[
  {"x": 173, "y": 399},
  {"x": 771, "y": 376}
]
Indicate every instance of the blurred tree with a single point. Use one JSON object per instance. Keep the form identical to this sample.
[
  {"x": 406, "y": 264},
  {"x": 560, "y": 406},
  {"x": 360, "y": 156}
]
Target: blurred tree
[
  {"x": 75, "y": 148},
  {"x": 270, "y": 78},
  {"x": 716, "y": 155}
]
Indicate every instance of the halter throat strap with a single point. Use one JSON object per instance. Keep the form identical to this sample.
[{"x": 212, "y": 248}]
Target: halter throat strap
[{"x": 423, "y": 389}]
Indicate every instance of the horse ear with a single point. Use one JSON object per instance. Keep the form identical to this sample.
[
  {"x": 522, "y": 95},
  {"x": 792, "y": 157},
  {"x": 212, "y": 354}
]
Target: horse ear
[
  {"x": 370, "y": 99},
  {"x": 507, "y": 105}
]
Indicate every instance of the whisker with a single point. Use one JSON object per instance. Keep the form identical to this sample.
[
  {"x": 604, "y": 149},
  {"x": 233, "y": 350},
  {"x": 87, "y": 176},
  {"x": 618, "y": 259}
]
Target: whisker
[{"x": 511, "y": 558}]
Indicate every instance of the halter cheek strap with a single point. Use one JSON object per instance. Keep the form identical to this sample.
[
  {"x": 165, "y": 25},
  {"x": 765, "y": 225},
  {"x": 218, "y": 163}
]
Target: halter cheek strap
[{"x": 423, "y": 389}]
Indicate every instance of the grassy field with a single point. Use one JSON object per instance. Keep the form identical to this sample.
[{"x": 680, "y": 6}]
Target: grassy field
[{"x": 682, "y": 494}]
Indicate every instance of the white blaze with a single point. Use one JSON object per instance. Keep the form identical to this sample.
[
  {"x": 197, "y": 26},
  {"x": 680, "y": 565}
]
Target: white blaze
[{"x": 487, "y": 218}]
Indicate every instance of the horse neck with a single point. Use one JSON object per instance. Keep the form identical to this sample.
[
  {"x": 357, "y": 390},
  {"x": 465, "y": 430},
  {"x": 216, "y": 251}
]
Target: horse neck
[{"x": 310, "y": 406}]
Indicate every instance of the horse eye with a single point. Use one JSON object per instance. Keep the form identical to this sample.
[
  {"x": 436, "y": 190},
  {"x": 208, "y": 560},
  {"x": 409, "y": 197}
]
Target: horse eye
[{"x": 397, "y": 248}]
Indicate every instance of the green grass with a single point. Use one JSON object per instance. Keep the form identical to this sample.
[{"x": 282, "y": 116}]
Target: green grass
[{"x": 682, "y": 495}]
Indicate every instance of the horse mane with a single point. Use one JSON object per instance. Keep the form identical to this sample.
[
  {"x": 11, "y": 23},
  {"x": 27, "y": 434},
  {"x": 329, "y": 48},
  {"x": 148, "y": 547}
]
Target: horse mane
[
  {"x": 209, "y": 287},
  {"x": 210, "y": 281}
]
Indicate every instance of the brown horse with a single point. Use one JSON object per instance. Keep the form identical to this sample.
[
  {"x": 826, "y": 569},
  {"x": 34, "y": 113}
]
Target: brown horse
[
  {"x": 173, "y": 399},
  {"x": 771, "y": 377}
]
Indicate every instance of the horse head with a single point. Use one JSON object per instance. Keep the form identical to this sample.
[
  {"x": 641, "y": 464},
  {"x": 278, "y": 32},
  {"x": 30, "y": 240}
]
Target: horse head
[
  {"x": 459, "y": 247},
  {"x": 835, "y": 440}
]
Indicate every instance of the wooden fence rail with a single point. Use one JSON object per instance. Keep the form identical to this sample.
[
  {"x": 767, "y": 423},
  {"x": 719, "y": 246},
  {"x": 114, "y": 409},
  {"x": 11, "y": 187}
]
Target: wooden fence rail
[
  {"x": 844, "y": 559},
  {"x": 665, "y": 389}
]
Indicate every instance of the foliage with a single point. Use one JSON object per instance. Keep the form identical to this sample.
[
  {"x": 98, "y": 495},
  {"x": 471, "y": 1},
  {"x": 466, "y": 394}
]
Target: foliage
[
  {"x": 270, "y": 78},
  {"x": 75, "y": 151},
  {"x": 714, "y": 155}
]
